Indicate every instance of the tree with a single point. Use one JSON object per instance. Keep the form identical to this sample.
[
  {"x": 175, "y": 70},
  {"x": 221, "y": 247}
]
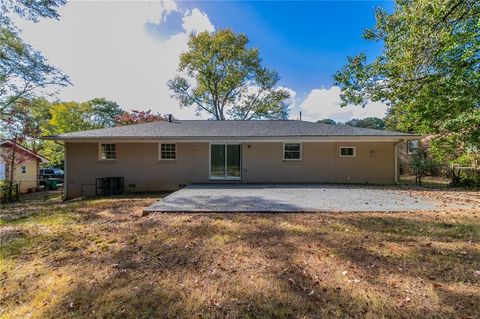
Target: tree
[
  {"x": 79, "y": 116},
  {"x": 225, "y": 78},
  {"x": 23, "y": 70},
  {"x": 428, "y": 72},
  {"x": 36, "y": 113},
  {"x": 368, "y": 122},
  {"x": 70, "y": 117},
  {"x": 420, "y": 164},
  {"x": 327, "y": 121},
  {"x": 138, "y": 117},
  {"x": 104, "y": 112},
  {"x": 32, "y": 10},
  {"x": 15, "y": 127}
]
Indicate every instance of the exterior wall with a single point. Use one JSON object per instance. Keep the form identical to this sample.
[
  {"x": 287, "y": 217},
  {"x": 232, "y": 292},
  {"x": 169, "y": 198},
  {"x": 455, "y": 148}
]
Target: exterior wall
[
  {"x": 321, "y": 163},
  {"x": 138, "y": 163},
  {"x": 262, "y": 163},
  {"x": 30, "y": 178},
  {"x": 26, "y": 180}
]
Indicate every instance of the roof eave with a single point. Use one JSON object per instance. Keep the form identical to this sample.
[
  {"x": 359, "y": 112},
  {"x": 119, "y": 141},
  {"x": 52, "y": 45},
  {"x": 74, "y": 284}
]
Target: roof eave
[
  {"x": 38, "y": 156},
  {"x": 323, "y": 138}
]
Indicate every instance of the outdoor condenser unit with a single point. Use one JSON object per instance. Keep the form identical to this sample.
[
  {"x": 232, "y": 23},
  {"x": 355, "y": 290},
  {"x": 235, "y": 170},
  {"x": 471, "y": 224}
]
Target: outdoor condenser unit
[{"x": 107, "y": 186}]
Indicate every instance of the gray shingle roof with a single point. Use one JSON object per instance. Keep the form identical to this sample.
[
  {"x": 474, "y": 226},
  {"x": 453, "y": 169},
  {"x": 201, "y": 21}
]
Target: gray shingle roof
[{"x": 227, "y": 129}]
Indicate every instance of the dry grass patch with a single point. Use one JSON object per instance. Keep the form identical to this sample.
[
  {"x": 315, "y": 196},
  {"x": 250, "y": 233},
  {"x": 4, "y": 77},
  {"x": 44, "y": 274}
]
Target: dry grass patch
[{"x": 101, "y": 259}]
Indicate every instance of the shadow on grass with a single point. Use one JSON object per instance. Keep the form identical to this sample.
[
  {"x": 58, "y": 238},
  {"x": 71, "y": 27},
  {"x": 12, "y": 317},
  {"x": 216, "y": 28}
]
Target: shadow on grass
[
  {"x": 250, "y": 266},
  {"x": 451, "y": 231},
  {"x": 183, "y": 273}
]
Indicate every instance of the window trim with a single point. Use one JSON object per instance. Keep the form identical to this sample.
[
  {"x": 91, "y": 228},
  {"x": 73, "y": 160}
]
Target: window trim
[
  {"x": 100, "y": 152},
  {"x": 352, "y": 147},
  {"x": 416, "y": 149},
  {"x": 293, "y": 159},
  {"x": 160, "y": 158}
]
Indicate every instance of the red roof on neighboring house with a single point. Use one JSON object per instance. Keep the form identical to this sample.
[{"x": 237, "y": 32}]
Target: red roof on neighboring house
[{"x": 24, "y": 149}]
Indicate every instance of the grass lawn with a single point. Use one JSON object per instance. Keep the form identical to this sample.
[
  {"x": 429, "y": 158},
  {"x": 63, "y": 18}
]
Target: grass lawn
[{"x": 102, "y": 259}]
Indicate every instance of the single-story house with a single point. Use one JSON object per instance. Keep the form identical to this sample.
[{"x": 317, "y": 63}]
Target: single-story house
[
  {"x": 27, "y": 164},
  {"x": 165, "y": 155}
]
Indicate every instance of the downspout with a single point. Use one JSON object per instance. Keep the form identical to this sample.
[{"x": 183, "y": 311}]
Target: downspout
[{"x": 395, "y": 147}]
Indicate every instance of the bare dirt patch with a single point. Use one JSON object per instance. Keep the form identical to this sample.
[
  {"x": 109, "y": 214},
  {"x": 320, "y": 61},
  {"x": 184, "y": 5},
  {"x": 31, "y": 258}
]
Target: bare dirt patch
[{"x": 102, "y": 259}]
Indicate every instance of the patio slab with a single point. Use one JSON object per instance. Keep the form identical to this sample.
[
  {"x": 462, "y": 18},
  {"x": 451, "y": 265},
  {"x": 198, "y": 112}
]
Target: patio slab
[{"x": 290, "y": 198}]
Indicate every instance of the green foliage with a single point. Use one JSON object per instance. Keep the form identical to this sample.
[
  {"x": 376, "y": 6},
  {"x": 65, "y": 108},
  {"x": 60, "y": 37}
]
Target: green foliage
[
  {"x": 74, "y": 116},
  {"x": 30, "y": 119},
  {"x": 225, "y": 78},
  {"x": 428, "y": 72},
  {"x": 104, "y": 112},
  {"x": 327, "y": 121},
  {"x": 32, "y": 10},
  {"x": 368, "y": 122},
  {"x": 420, "y": 164},
  {"x": 70, "y": 117}
]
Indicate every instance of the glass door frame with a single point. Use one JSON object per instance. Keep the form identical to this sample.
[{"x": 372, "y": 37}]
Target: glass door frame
[{"x": 225, "y": 177}]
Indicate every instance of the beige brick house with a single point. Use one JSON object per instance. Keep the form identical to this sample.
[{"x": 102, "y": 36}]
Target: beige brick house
[{"x": 166, "y": 155}]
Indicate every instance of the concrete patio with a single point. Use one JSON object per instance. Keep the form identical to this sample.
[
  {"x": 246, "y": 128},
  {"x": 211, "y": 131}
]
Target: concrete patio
[{"x": 289, "y": 198}]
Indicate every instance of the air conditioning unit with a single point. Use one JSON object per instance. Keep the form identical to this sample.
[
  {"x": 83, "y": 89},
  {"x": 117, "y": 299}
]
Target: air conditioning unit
[{"x": 108, "y": 186}]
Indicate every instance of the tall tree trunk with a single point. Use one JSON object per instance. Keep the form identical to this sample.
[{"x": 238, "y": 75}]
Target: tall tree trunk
[{"x": 11, "y": 173}]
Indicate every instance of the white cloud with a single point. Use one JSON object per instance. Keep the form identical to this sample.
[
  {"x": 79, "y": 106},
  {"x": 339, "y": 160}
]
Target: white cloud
[
  {"x": 167, "y": 7},
  {"x": 107, "y": 51},
  {"x": 197, "y": 21},
  {"x": 325, "y": 104},
  {"x": 291, "y": 101}
]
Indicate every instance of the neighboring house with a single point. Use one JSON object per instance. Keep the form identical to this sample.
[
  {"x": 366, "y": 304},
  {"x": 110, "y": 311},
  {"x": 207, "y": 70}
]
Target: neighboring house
[
  {"x": 409, "y": 149},
  {"x": 406, "y": 152},
  {"x": 26, "y": 167},
  {"x": 166, "y": 155}
]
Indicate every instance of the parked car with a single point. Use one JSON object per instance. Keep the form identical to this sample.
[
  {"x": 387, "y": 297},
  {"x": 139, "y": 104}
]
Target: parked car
[{"x": 51, "y": 174}]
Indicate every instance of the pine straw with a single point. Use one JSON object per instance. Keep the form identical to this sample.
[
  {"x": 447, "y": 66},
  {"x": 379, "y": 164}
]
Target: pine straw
[{"x": 102, "y": 259}]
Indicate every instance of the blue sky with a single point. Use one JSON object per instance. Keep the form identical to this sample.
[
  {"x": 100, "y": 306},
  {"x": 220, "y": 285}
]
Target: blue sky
[
  {"x": 305, "y": 41},
  {"x": 127, "y": 50}
]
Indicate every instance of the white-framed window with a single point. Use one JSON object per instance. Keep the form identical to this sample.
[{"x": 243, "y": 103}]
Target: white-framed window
[
  {"x": 168, "y": 151},
  {"x": 292, "y": 151},
  {"x": 348, "y": 151},
  {"x": 412, "y": 146},
  {"x": 108, "y": 152},
  {"x": 24, "y": 169}
]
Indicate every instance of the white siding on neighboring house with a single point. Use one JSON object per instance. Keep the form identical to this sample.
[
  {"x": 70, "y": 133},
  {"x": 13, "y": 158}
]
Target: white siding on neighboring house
[{"x": 2, "y": 169}]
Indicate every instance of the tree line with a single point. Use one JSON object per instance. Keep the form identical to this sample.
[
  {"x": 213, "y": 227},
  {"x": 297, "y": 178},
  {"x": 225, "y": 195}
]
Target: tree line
[
  {"x": 368, "y": 122},
  {"x": 31, "y": 119}
]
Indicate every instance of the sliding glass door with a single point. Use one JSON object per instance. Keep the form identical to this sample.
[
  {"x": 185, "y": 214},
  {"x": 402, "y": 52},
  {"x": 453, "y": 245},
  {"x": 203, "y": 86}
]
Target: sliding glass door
[
  {"x": 217, "y": 161},
  {"x": 225, "y": 161}
]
